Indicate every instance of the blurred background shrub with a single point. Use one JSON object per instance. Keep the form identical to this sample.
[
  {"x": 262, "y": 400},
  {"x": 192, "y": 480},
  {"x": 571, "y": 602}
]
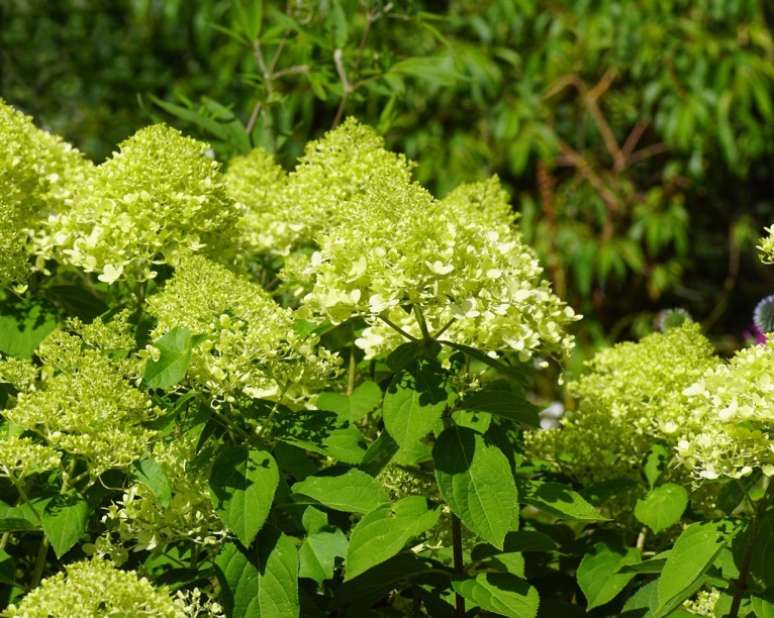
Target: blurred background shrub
[{"x": 636, "y": 138}]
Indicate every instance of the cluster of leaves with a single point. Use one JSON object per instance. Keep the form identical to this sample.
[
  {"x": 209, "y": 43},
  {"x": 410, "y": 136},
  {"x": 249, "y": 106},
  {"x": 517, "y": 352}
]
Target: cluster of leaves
[
  {"x": 622, "y": 127},
  {"x": 315, "y": 399}
]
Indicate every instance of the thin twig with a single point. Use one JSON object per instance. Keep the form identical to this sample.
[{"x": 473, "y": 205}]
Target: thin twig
[
  {"x": 345, "y": 85},
  {"x": 584, "y": 167},
  {"x": 394, "y": 326}
]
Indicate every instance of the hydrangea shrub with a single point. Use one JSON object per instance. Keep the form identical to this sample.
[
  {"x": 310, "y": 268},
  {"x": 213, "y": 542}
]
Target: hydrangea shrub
[{"x": 244, "y": 392}]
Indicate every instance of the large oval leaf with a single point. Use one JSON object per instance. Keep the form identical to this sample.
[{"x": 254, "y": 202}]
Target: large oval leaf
[
  {"x": 242, "y": 486},
  {"x": 351, "y": 492},
  {"x": 693, "y": 553},
  {"x": 383, "y": 532},
  {"x": 503, "y": 594},
  {"x": 264, "y": 583},
  {"x": 413, "y": 405},
  {"x": 598, "y": 573},
  {"x": 475, "y": 479}
]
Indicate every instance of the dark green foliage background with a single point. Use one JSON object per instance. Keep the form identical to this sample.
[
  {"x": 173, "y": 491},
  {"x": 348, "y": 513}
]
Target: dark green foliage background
[{"x": 636, "y": 138}]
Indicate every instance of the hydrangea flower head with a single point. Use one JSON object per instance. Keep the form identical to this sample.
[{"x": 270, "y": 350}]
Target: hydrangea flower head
[
  {"x": 159, "y": 196},
  {"x": 251, "y": 347},
  {"x": 728, "y": 417},
  {"x": 97, "y": 589},
  {"x": 629, "y": 398},
  {"x": 83, "y": 402},
  {"x": 459, "y": 261},
  {"x": 38, "y": 174}
]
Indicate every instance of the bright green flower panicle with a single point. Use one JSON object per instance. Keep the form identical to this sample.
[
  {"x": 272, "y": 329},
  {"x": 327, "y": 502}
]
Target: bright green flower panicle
[
  {"x": 38, "y": 174},
  {"x": 256, "y": 182},
  {"x": 96, "y": 589},
  {"x": 140, "y": 520},
  {"x": 84, "y": 403},
  {"x": 728, "y": 417},
  {"x": 20, "y": 457},
  {"x": 250, "y": 347},
  {"x": 630, "y": 399},
  {"x": 159, "y": 196},
  {"x": 287, "y": 212},
  {"x": 460, "y": 261}
]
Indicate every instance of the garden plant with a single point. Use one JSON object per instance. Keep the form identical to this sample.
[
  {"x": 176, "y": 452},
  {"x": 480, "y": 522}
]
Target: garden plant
[
  {"x": 368, "y": 308},
  {"x": 236, "y": 390}
]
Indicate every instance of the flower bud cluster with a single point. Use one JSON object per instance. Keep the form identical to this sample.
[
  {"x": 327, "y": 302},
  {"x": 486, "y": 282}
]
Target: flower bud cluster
[
  {"x": 250, "y": 345},
  {"x": 38, "y": 174}
]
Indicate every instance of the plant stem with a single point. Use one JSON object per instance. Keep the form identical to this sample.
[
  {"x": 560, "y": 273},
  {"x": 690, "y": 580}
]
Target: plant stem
[
  {"x": 394, "y": 326},
  {"x": 40, "y": 563},
  {"x": 352, "y": 371}
]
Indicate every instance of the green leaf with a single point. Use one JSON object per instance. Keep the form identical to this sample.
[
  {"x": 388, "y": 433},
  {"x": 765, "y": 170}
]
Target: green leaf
[
  {"x": 502, "y": 594},
  {"x": 692, "y": 554},
  {"x": 64, "y": 519},
  {"x": 662, "y": 507},
  {"x": 175, "y": 349},
  {"x": 761, "y": 562},
  {"x": 242, "y": 486},
  {"x": 598, "y": 573},
  {"x": 152, "y": 475},
  {"x": 763, "y": 604},
  {"x": 365, "y": 398},
  {"x": 559, "y": 500},
  {"x": 7, "y": 568},
  {"x": 23, "y": 327},
  {"x": 17, "y": 518},
  {"x": 503, "y": 402},
  {"x": 517, "y": 372},
  {"x": 384, "y": 532},
  {"x": 475, "y": 479},
  {"x": 351, "y": 492},
  {"x": 413, "y": 405},
  {"x": 321, "y": 432},
  {"x": 318, "y": 554},
  {"x": 376, "y": 582},
  {"x": 249, "y": 16},
  {"x": 655, "y": 463},
  {"x": 263, "y": 583}
]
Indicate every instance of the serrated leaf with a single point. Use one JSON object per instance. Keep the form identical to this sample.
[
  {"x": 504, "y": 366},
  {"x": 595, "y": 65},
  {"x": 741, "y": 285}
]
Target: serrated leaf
[
  {"x": 321, "y": 432},
  {"x": 351, "y": 492},
  {"x": 262, "y": 583},
  {"x": 413, "y": 404},
  {"x": 475, "y": 479},
  {"x": 242, "y": 486},
  {"x": 662, "y": 507},
  {"x": 598, "y": 573},
  {"x": 365, "y": 398},
  {"x": 175, "y": 349},
  {"x": 152, "y": 475},
  {"x": 64, "y": 519},
  {"x": 692, "y": 554},
  {"x": 383, "y": 532},
  {"x": 559, "y": 500},
  {"x": 503, "y": 594},
  {"x": 318, "y": 554}
]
